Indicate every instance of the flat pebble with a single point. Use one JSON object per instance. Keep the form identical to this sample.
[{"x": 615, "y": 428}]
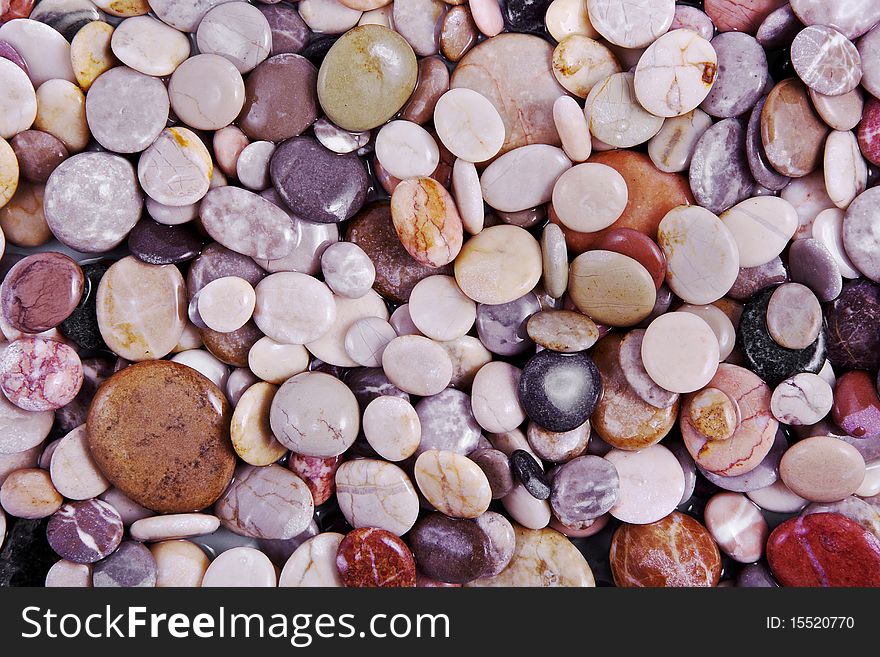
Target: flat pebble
[
  {"x": 131, "y": 565},
  {"x": 85, "y": 532},
  {"x": 67, "y": 574},
  {"x": 580, "y": 62},
  {"x": 791, "y": 131},
  {"x": 651, "y": 484},
  {"x": 45, "y": 51},
  {"x": 499, "y": 265},
  {"x": 562, "y": 330},
  {"x": 635, "y": 25},
  {"x": 206, "y": 92},
  {"x": 39, "y": 374},
  {"x": 495, "y": 397},
  {"x": 842, "y": 156},
  {"x": 434, "y": 371},
  {"x": 40, "y": 291},
  {"x": 447, "y": 423},
  {"x": 611, "y": 288},
  {"x": 589, "y": 197},
  {"x": 680, "y": 352},
  {"x": 559, "y": 391},
  {"x": 176, "y": 526},
  {"x": 149, "y": 46},
  {"x": 737, "y": 525},
  {"x": 440, "y": 310},
  {"x": 313, "y": 563},
  {"x": 742, "y": 75},
  {"x": 852, "y": 343},
  {"x": 672, "y": 148},
  {"x": 856, "y": 407},
  {"x": 802, "y": 400},
  {"x": 615, "y": 115},
  {"x": 468, "y": 125},
  {"x": 814, "y": 265},
  {"x": 29, "y": 494},
  {"x": 280, "y": 100},
  {"x": 392, "y": 427},
  {"x": 74, "y": 472},
  {"x": 374, "y": 493},
  {"x": 822, "y": 469},
  {"x": 226, "y": 304},
  {"x": 826, "y": 60},
  {"x": 250, "y": 432},
  {"x": 762, "y": 227},
  {"x": 524, "y": 177},
  {"x": 240, "y": 567},
  {"x": 583, "y": 489},
  {"x": 794, "y": 316},
  {"x": 238, "y": 32},
  {"x": 375, "y": 558},
  {"x": 468, "y": 497},
  {"x": 176, "y": 169}
]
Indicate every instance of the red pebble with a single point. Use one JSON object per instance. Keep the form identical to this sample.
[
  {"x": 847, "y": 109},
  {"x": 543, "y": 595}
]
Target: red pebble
[
  {"x": 318, "y": 473},
  {"x": 12, "y": 9},
  {"x": 869, "y": 131},
  {"x": 856, "y": 407},
  {"x": 824, "y": 549},
  {"x": 374, "y": 558}
]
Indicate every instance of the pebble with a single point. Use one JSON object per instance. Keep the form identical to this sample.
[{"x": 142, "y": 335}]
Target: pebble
[
  {"x": 580, "y": 62},
  {"x": 680, "y": 352},
  {"x": 755, "y": 429},
  {"x": 92, "y": 201},
  {"x": 502, "y": 328},
  {"x": 737, "y": 526},
  {"x": 672, "y": 148},
  {"x": 269, "y": 502},
  {"x": 468, "y": 125},
  {"x": 860, "y": 237},
  {"x": 634, "y": 25},
  {"x": 65, "y": 573},
  {"x": 318, "y": 473},
  {"x": 374, "y": 558},
  {"x": 502, "y": 541},
  {"x": 584, "y": 489},
  {"x": 240, "y": 567},
  {"x": 177, "y": 526},
  {"x": 853, "y": 508},
  {"x": 495, "y": 397},
  {"x": 676, "y": 551},
  {"x": 250, "y": 432},
  {"x": 809, "y": 197},
  {"x": 571, "y": 124},
  {"x": 499, "y": 265},
  {"x": 449, "y": 549},
  {"x": 564, "y": 17},
  {"x": 447, "y": 423},
  {"x": 843, "y": 112},
  {"x": 762, "y": 227},
  {"x": 280, "y": 100},
  {"x": 559, "y": 391},
  {"x": 852, "y": 343},
  {"x": 40, "y": 374},
  {"x": 167, "y": 404},
  {"x": 458, "y": 33},
  {"x": 238, "y": 32},
  {"x": 558, "y": 447},
  {"x": 40, "y": 291},
  {"x": 29, "y": 494},
  {"x": 373, "y": 493},
  {"x": 45, "y": 51},
  {"x": 803, "y": 400},
  {"x": 842, "y": 156},
  {"x": 22, "y": 219},
  {"x": 90, "y": 52},
  {"x": 176, "y": 169},
  {"x": 815, "y": 266},
  {"x": 149, "y": 46},
  {"x": 794, "y": 316},
  {"x": 354, "y": 97},
  {"x": 615, "y": 115},
  {"x": 562, "y": 330},
  {"x": 651, "y": 484},
  {"x": 38, "y": 154},
  {"x": 530, "y": 474},
  {"x": 742, "y": 75},
  {"x": 85, "y": 532},
  {"x": 313, "y": 563},
  {"x": 826, "y": 60},
  {"x": 611, "y": 288},
  {"x": 791, "y": 131},
  {"x": 126, "y": 110},
  {"x": 440, "y": 310},
  {"x": 824, "y": 549},
  {"x": 869, "y": 130},
  {"x": 406, "y": 150},
  {"x": 720, "y": 176},
  {"x": 593, "y": 210},
  {"x": 73, "y": 470},
  {"x": 822, "y": 469},
  {"x": 331, "y": 347},
  {"x": 131, "y": 565},
  {"x": 160, "y": 244},
  {"x": 20, "y": 103},
  {"x": 307, "y": 320},
  {"x": 856, "y": 407},
  {"x": 22, "y": 430},
  {"x": 452, "y": 483},
  {"x": 315, "y": 414},
  {"x": 206, "y": 92},
  {"x": 496, "y": 466},
  {"x": 392, "y": 427},
  {"x": 733, "y": 15},
  {"x": 524, "y": 177},
  {"x": 632, "y": 367}
]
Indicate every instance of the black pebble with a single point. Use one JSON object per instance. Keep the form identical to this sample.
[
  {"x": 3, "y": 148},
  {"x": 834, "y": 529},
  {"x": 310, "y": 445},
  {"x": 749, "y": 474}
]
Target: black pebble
[
  {"x": 525, "y": 15},
  {"x": 159, "y": 244},
  {"x": 763, "y": 355},
  {"x": 82, "y": 325},
  {"x": 559, "y": 391},
  {"x": 317, "y": 49},
  {"x": 529, "y": 472},
  {"x": 26, "y": 556}
]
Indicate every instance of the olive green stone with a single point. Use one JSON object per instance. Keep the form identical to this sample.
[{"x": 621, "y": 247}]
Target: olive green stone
[{"x": 366, "y": 77}]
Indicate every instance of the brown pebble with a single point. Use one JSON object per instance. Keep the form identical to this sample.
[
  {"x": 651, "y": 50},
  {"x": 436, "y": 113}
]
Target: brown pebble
[
  {"x": 458, "y": 33},
  {"x": 22, "y": 220},
  {"x": 38, "y": 153},
  {"x": 433, "y": 83}
]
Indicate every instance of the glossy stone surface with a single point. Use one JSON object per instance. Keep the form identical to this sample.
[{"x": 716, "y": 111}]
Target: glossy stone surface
[
  {"x": 318, "y": 473},
  {"x": 38, "y": 374},
  {"x": 583, "y": 489},
  {"x": 559, "y": 391},
  {"x": 499, "y": 265},
  {"x": 502, "y": 327},
  {"x": 158, "y": 244},
  {"x": 676, "y": 551},
  {"x": 131, "y": 565},
  {"x": 85, "y": 532},
  {"x": 280, "y": 101},
  {"x": 452, "y": 483},
  {"x": 374, "y": 493},
  {"x": 852, "y": 344},
  {"x": 651, "y": 484},
  {"x": 375, "y": 558},
  {"x": 40, "y": 291},
  {"x": 449, "y": 549},
  {"x": 38, "y": 154},
  {"x": 152, "y": 457},
  {"x": 856, "y": 407},
  {"x": 793, "y": 151}
]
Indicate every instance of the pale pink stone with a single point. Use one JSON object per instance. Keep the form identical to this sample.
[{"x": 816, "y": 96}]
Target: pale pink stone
[
  {"x": 737, "y": 526},
  {"x": 487, "y": 16},
  {"x": 37, "y": 374},
  {"x": 229, "y": 142}
]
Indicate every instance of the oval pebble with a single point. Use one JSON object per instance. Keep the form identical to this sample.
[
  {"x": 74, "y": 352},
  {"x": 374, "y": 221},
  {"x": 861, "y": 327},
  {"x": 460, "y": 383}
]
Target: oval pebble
[
  {"x": 802, "y": 400},
  {"x": 762, "y": 227},
  {"x": 392, "y": 427},
  {"x": 651, "y": 484},
  {"x": 313, "y": 563},
  {"x": 176, "y": 526},
  {"x": 719, "y": 174},
  {"x": 453, "y": 483},
  {"x": 85, "y": 532},
  {"x": 737, "y": 526},
  {"x": 39, "y": 374},
  {"x": 374, "y": 493}
]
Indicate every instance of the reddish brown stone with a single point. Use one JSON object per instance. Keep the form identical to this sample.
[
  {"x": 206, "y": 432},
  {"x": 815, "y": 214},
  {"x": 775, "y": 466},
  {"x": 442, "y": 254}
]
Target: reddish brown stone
[
  {"x": 652, "y": 193},
  {"x": 741, "y": 15},
  {"x": 40, "y": 291},
  {"x": 676, "y": 551},
  {"x": 433, "y": 83},
  {"x": 869, "y": 131},
  {"x": 318, "y": 473},
  {"x": 159, "y": 431},
  {"x": 281, "y": 99},
  {"x": 232, "y": 348},
  {"x": 38, "y": 153},
  {"x": 856, "y": 407},
  {"x": 824, "y": 549},
  {"x": 458, "y": 33},
  {"x": 375, "y": 558},
  {"x": 12, "y": 9},
  {"x": 396, "y": 270},
  {"x": 639, "y": 247}
]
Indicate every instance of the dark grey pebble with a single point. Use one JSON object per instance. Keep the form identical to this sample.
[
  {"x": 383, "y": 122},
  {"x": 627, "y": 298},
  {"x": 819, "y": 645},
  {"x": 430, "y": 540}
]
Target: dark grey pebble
[
  {"x": 811, "y": 264},
  {"x": 496, "y": 466},
  {"x": 559, "y": 391},
  {"x": 158, "y": 244},
  {"x": 451, "y": 550},
  {"x": 65, "y": 16},
  {"x": 530, "y": 473}
]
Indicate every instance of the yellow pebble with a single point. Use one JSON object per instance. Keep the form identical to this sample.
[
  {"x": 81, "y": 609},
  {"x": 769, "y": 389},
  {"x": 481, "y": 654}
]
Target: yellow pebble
[
  {"x": 90, "y": 52},
  {"x": 8, "y": 177}
]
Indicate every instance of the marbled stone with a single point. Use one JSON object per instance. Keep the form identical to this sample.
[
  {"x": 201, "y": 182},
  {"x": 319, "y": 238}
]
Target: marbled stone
[
  {"x": 559, "y": 391},
  {"x": 375, "y": 558},
  {"x": 791, "y": 131},
  {"x": 176, "y": 169},
  {"x": 85, "y": 532},
  {"x": 615, "y": 115},
  {"x": 734, "y": 15},
  {"x": 90, "y": 52},
  {"x": 318, "y": 473},
  {"x": 719, "y": 174},
  {"x": 826, "y": 60},
  {"x": 852, "y": 19},
  {"x": 238, "y": 32},
  {"x": 452, "y": 483},
  {"x": 313, "y": 563},
  {"x": 374, "y": 493},
  {"x": 803, "y": 399},
  {"x": 502, "y": 327},
  {"x": 635, "y": 24},
  {"x": 856, "y": 407},
  {"x": 849, "y": 322},
  {"x": 583, "y": 489},
  {"x": 39, "y": 374},
  {"x": 289, "y": 33},
  {"x": 743, "y": 75},
  {"x": 447, "y": 423}
]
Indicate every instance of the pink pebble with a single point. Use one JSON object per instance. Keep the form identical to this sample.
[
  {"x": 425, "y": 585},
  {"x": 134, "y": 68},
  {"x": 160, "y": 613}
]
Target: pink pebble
[
  {"x": 487, "y": 16},
  {"x": 37, "y": 374}
]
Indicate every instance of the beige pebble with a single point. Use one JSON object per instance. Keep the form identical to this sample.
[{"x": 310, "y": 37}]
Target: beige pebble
[
  {"x": 777, "y": 497},
  {"x": 713, "y": 414},
  {"x": 374, "y": 493},
  {"x": 392, "y": 428},
  {"x": 803, "y": 399},
  {"x": 29, "y": 494},
  {"x": 149, "y": 46},
  {"x": 762, "y": 227},
  {"x": 554, "y": 255},
  {"x": 839, "y": 112},
  {"x": 331, "y": 347},
  {"x": 241, "y": 567},
  {"x": 523, "y": 178},
  {"x": 526, "y": 509},
  {"x": 313, "y": 564},
  {"x": 562, "y": 330},
  {"x": 227, "y": 303},
  {"x": 294, "y": 308},
  {"x": 189, "y": 339},
  {"x": 440, "y": 310},
  {"x": 680, "y": 352},
  {"x": 453, "y": 483},
  {"x": 590, "y": 197},
  {"x": 68, "y": 574},
  {"x": 90, "y": 53},
  {"x": 499, "y": 265},
  {"x": 720, "y": 324},
  {"x": 18, "y": 104},
  {"x": 9, "y": 178},
  {"x": 566, "y": 17},
  {"x": 73, "y": 471},
  {"x": 179, "y": 564},
  {"x": 251, "y": 435},
  {"x": 123, "y": 8},
  {"x": 207, "y": 92},
  {"x": 426, "y": 221},
  {"x": 651, "y": 484},
  {"x": 579, "y": 62},
  {"x": 406, "y": 150},
  {"x": 366, "y": 340},
  {"x": 631, "y": 24},
  {"x": 671, "y": 149},
  {"x": 173, "y": 526},
  {"x": 468, "y": 195},
  {"x": 846, "y": 172},
  {"x": 615, "y": 116},
  {"x": 417, "y": 365},
  {"x": 206, "y": 364},
  {"x": 822, "y": 469},
  {"x": 276, "y": 362},
  {"x": 571, "y": 124},
  {"x": 495, "y": 397},
  {"x": 469, "y": 125},
  {"x": 176, "y": 169},
  {"x": 544, "y": 558},
  {"x": 468, "y": 355},
  {"x": 611, "y": 288},
  {"x": 794, "y": 316},
  {"x": 61, "y": 111}
]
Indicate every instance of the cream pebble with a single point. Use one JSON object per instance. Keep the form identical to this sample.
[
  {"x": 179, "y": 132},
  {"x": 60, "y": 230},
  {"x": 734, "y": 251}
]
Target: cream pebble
[
  {"x": 61, "y": 112},
  {"x": 822, "y": 469},
  {"x": 702, "y": 256},
  {"x": 331, "y": 347},
  {"x": 487, "y": 16},
  {"x": 777, "y": 497},
  {"x": 554, "y": 254},
  {"x": 528, "y": 511},
  {"x": 680, "y": 352},
  {"x": 226, "y": 304},
  {"x": 802, "y": 400},
  {"x": 179, "y": 525},
  {"x": 495, "y": 397},
  {"x": 68, "y": 574},
  {"x": 18, "y": 103},
  {"x": 417, "y": 365},
  {"x": 846, "y": 173},
  {"x": 391, "y": 426},
  {"x": 762, "y": 227},
  {"x": 468, "y": 195},
  {"x": 568, "y": 116},
  {"x": 374, "y": 493},
  {"x": 294, "y": 308},
  {"x": 590, "y": 197},
  {"x": 176, "y": 169},
  {"x": 579, "y": 63},
  {"x": 794, "y": 316},
  {"x": 313, "y": 564},
  {"x": 440, "y": 310},
  {"x": 737, "y": 526},
  {"x": 240, "y": 567},
  {"x": 720, "y": 324},
  {"x": 499, "y": 265},
  {"x": 44, "y": 50},
  {"x": 238, "y": 32},
  {"x": 179, "y": 564},
  {"x": 615, "y": 115},
  {"x": 366, "y": 340},
  {"x": 29, "y": 494},
  {"x": 406, "y": 150},
  {"x": 149, "y": 46},
  {"x": 328, "y": 16},
  {"x": 205, "y": 364},
  {"x": 676, "y": 73},
  {"x": 633, "y": 24},
  {"x": 275, "y": 362},
  {"x": 206, "y": 92},
  {"x": 73, "y": 471},
  {"x": 524, "y": 177},
  {"x": 827, "y": 228},
  {"x": 611, "y": 288},
  {"x": 566, "y": 17},
  {"x": 347, "y": 269},
  {"x": 250, "y": 431},
  {"x": 469, "y": 125},
  {"x": 671, "y": 149},
  {"x": 651, "y": 484},
  {"x": 453, "y": 483}
]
